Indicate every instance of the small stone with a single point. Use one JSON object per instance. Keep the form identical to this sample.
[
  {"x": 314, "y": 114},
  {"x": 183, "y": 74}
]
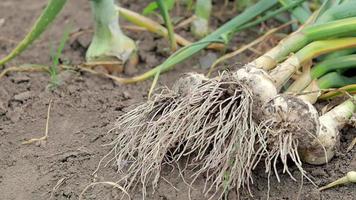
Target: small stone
[
  {"x": 4, "y": 95},
  {"x": 353, "y": 163},
  {"x": 2, "y": 108},
  {"x": 84, "y": 101},
  {"x": 2, "y": 21},
  {"x": 148, "y": 43},
  {"x": 85, "y": 40},
  {"x": 313, "y": 195},
  {"x": 317, "y": 172},
  {"x": 23, "y": 96},
  {"x": 162, "y": 47},
  {"x": 14, "y": 115},
  {"x": 130, "y": 70},
  {"x": 126, "y": 95},
  {"x": 65, "y": 76},
  {"x": 101, "y": 69},
  {"x": 149, "y": 58},
  {"x": 20, "y": 78},
  {"x": 72, "y": 89}
]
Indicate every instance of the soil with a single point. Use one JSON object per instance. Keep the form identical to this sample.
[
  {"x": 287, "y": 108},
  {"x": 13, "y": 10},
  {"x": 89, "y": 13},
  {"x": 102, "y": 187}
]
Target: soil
[{"x": 84, "y": 108}]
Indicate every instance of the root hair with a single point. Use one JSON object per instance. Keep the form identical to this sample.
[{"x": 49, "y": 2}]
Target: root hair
[{"x": 212, "y": 125}]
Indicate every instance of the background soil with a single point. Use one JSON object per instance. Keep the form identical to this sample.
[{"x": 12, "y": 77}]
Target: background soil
[{"x": 85, "y": 108}]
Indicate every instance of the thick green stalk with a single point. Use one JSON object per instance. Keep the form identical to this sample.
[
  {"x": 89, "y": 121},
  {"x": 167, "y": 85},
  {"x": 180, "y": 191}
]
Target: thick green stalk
[
  {"x": 322, "y": 68},
  {"x": 335, "y": 80},
  {"x": 284, "y": 71},
  {"x": 337, "y": 54},
  {"x": 48, "y": 15},
  {"x": 330, "y": 80},
  {"x": 340, "y": 63},
  {"x": 321, "y": 47},
  {"x": 339, "y": 28},
  {"x": 300, "y": 13},
  {"x": 341, "y": 11}
]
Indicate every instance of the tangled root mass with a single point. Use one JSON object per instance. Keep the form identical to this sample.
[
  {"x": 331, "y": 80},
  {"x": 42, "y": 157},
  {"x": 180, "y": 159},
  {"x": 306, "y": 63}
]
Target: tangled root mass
[
  {"x": 291, "y": 124},
  {"x": 208, "y": 121},
  {"x": 211, "y": 124}
]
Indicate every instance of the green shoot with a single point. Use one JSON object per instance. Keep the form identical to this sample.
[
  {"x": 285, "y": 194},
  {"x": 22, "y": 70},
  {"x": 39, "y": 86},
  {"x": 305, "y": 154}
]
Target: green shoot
[
  {"x": 153, "y": 6},
  {"x": 336, "y": 64},
  {"x": 48, "y": 15},
  {"x": 337, "y": 54},
  {"x": 53, "y": 69},
  {"x": 167, "y": 20},
  {"x": 333, "y": 64}
]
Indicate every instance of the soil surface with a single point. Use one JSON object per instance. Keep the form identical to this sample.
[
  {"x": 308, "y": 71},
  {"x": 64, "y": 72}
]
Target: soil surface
[{"x": 84, "y": 108}]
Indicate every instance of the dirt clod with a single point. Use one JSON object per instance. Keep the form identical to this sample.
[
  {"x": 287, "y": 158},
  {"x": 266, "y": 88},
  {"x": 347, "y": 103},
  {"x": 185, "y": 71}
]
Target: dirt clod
[{"x": 23, "y": 96}]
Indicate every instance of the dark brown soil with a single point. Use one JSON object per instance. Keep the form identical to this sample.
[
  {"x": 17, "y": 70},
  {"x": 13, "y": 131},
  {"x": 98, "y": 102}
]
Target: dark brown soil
[{"x": 85, "y": 107}]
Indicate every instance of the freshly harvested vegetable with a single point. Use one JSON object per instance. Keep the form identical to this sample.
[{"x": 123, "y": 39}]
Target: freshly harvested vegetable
[
  {"x": 200, "y": 26},
  {"x": 292, "y": 122},
  {"x": 323, "y": 145},
  {"x": 109, "y": 44},
  {"x": 223, "y": 112}
]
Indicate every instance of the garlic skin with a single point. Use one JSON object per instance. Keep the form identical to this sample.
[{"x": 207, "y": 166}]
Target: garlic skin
[
  {"x": 327, "y": 138},
  {"x": 188, "y": 82},
  {"x": 259, "y": 82},
  {"x": 323, "y": 146}
]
